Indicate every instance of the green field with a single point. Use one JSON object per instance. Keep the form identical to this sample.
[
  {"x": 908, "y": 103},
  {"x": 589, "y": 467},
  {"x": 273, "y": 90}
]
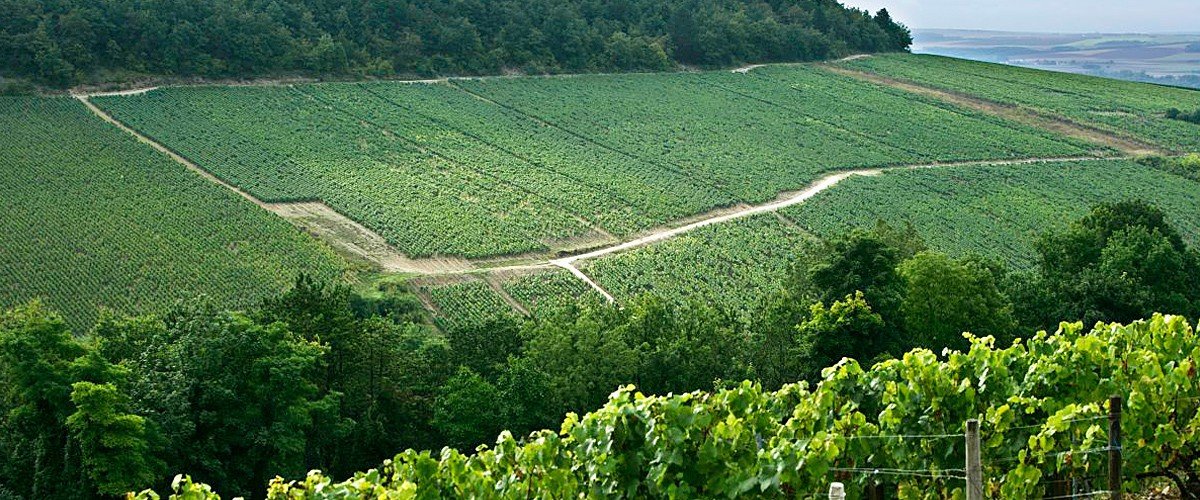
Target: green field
[
  {"x": 471, "y": 300},
  {"x": 758, "y": 134},
  {"x": 281, "y": 145},
  {"x": 992, "y": 211},
  {"x": 464, "y": 302},
  {"x": 731, "y": 265},
  {"x": 549, "y": 290},
  {"x": 91, "y": 219},
  {"x": 1123, "y": 108},
  {"x": 996, "y": 211},
  {"x": 521, "y": 165},
  {"x": 490, "y": 167}
]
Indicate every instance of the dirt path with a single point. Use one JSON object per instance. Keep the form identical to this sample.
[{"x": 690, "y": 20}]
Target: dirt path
[
  {"x": 748, "y": 68},
  {"x": 751, "y": 67},
  {"x": 118, "y": 92},
  {"x": 854, "y": 57},
  {"x": 813, "y": 189},
  {"x": 1017, "y": 114},
  {"x": 355, "y": 240},
  {"x": 163, "y": 149},
  {"x": 358, "y": 242}
]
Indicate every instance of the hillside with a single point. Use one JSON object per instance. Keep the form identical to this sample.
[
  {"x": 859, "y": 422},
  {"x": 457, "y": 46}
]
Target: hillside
[
  {"x": 239, "y": 281},
  {"x": 512, "y": 177},
  {"x": 96, "y": 221},
  {"x": 559, "y": 164}
]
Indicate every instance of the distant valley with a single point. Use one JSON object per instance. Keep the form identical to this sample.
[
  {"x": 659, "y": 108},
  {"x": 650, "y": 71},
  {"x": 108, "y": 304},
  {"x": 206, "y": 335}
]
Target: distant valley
[{"x": 1172, "y": 59}]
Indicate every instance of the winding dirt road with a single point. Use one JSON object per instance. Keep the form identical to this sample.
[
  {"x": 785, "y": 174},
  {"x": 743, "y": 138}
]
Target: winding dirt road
[{"x": 360, "y": 242}]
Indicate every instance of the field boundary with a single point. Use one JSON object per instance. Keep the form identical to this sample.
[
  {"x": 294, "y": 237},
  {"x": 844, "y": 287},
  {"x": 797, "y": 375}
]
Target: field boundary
[
  {"x": 512, "y": 302},
  {"x": 338, "y": 231},
  {"x": 1020, "y": 114}
]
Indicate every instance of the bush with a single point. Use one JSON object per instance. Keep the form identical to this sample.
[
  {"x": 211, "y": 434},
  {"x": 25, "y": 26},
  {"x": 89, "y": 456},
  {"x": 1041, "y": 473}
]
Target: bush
[{"x": 1176, "y": 114}]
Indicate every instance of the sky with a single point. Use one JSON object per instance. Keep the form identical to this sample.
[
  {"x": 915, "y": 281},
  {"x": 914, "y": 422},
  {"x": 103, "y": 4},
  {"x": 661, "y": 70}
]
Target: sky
[{"x": 1062, "y": 16}]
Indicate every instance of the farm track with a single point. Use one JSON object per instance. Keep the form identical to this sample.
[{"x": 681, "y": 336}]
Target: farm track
[{"x": 352, "y": 238}]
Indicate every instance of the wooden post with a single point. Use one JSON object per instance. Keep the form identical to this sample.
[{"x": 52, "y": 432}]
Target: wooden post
[
  {"x": 1114, "y": 447},
  {"x": 837, "y": 491},
  {"x": 874, "y": 489},
  {"x": 974, "y": 462}
]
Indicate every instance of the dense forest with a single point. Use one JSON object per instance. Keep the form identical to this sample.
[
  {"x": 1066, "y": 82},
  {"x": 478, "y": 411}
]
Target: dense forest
[
  {"x": 66, "y": 42},
  {"x": 325, "y": 378}
]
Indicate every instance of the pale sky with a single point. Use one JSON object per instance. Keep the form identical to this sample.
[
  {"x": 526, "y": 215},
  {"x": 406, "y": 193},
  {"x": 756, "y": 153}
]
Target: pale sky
[{"x": 1064, "y": 16}]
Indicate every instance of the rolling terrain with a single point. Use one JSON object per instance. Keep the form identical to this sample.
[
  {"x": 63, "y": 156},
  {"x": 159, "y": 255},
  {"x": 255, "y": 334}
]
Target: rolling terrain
[
  {"x": 505, "y": 194},
  {"x": 546, "y": 165}
]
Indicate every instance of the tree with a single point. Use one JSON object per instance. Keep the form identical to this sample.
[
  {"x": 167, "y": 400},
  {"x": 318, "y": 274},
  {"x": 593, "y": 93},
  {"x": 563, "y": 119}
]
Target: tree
[
  {"x": 577, "y": 349},
  {"x": 66, "y": 426},
  {"x": 945, "y": 297},
  {"x": 528, "y": 403},
  {"x": 772, "y": 347},
  {"x": 113, "y": 441},
  {"x": 680, "y": 348},
  {"x": 467, "y": 410},
  {"x": 36, "y": 355},
  {"x": 860, "y": 261},
  {"x": 899, "y": 38},
  {"x": 238, "y": 400},
  {"x": 625, "y": 52},
  {"x": 1120, "y": 262},
  {"x": 846, "y": 329},
  {"x": 485, "y": 347}
]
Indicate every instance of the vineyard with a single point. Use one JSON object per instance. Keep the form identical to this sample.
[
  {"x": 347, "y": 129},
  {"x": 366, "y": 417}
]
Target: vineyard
[
  {"x": 1041, "y": 406},
  {"x": 992, "y": 211},
  {"x": 549, "y": 290},
  {"x": 466, "y": 302},
  {"x": 996, "y": 211},
  {"x": 926, "y": 129},
  {"x": 544, "y": 165},
  {"x": 473, "y": 301},
  {"x": 731, "y": 265},
  {"x": 757, "y": 142},
  {"x": 281, "y": 145},
  {"x": 114, "y": 225},
  {"x": 1122, "y": 108}
]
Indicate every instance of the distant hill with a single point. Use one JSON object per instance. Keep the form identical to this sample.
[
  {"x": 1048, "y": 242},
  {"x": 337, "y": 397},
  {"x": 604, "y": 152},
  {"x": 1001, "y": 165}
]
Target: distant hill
[
  {"x": 1172, "y": 59},
  {"x": 75, "y": 41}
]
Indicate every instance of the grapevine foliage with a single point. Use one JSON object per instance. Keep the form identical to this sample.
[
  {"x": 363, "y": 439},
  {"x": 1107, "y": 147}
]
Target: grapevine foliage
[{"x": 1041, "y": 403}]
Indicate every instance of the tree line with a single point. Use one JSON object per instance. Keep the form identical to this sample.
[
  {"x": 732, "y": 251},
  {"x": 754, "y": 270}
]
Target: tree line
[
  {"x": 72, "y": 41},
  {"x": 322, "y": 377}
]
